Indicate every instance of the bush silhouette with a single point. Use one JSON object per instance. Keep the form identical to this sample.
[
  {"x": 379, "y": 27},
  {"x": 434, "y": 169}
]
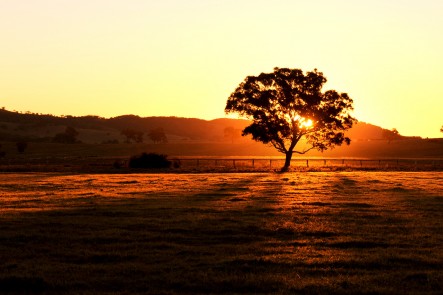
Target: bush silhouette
[
  {"x": 151, "y": 160},
  {"x": 21, "y": 146},
  {"x": 158, "y": 135},
  {"x": 69, "y": 136}
]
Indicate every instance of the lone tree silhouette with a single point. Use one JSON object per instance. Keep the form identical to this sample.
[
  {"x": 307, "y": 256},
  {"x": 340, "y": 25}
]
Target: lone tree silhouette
[
  {"x": 21, "y": 146},
  {"x": 232, "y": 133},
  {"x": 287, "y": 105},
  {"x": 69, "y": 136},
  {"x": 158, "y": 135},
  {"x": 391, "y": 135},
  {"x": 131, "y": 134}
]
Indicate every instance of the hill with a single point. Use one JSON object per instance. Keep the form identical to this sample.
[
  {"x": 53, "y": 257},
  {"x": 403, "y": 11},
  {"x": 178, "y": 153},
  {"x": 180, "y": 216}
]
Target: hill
[
  {"x": 93, "y": 129},
  {"x": 192, "y": 137}
]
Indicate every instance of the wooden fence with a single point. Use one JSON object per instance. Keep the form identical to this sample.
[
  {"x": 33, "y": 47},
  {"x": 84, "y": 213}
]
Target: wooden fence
[{"x": 275, "y": 163}]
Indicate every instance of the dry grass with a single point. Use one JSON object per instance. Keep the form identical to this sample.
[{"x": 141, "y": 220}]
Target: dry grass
[{"x": 303, "y": 233}]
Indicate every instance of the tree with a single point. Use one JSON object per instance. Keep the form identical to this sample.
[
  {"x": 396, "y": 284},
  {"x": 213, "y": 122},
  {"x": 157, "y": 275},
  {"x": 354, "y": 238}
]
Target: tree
[
  {"x": 441, "y": 129},
  {"x": 287, "y": 106},
  {"x": 131, "y": 134},
  {"x": 21, "y": 146},
  {"x": 69, "y": 136},
  {"x": 158, "y": 135},
  {"x": 390, "y": 135},
  {"x": 232, "y": 133},
  {"x": 2, "y": 153},
  {"x": 71, "y": 132}
]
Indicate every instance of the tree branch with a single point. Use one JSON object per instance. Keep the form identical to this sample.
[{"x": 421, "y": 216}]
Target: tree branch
[
  {"x": 279, "y": 146},
  {"x": 305, "y": 151}
]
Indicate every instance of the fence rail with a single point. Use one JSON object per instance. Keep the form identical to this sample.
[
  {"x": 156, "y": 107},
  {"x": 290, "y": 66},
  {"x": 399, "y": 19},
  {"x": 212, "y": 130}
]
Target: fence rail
[
  {"x": 228, "y": 164},
  {"x": 274, "y": 163}
]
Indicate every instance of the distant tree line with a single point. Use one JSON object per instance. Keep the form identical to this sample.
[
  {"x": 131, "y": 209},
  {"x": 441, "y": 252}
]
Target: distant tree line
[
  {"x": 30, "y": 118},
  {"x": 157, "y": 135}
]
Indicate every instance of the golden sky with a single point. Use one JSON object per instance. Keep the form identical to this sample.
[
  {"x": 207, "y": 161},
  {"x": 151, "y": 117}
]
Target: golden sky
[{"x": 184, "y": 57}]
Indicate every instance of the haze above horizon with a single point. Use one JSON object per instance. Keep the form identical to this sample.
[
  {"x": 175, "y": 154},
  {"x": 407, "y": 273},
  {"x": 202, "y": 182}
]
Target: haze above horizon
[{"x": 184, "y": 58}]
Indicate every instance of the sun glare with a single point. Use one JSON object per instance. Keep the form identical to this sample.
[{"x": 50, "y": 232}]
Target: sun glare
[
  {"x": 301, "y": 121},
  {"x": 306, "y": 123}
]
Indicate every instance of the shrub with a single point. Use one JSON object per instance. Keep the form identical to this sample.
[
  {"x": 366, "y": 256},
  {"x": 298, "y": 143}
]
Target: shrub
[
  {"x": 176, "y": 163},
  {"x": 69, "y": 136},
  {"x": 118, "y": 164},
  {"x": 151, "y": 160},
  {"x": 21, "y": 146}
]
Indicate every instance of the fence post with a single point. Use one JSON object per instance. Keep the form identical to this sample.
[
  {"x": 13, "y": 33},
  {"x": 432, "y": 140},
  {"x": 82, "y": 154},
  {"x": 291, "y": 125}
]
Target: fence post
[
  {"x": 233, "y": 162},
  {"x": 324, "y": 162},
  {"x": 307, "y": 163},
  {"x": 252, "y": 163}
]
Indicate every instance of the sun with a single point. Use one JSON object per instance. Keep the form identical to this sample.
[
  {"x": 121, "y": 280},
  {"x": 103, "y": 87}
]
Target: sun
[
  {"x": 302, "y": 122},
  {"x": 307, "y": 124}
]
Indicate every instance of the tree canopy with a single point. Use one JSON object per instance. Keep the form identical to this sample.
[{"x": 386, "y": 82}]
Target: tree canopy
[
  {"x": 232, "y": 133},
  {"x": 69, "y": 136},
  {"x": 158, "y": 135},
  {"x": 287, "y": 106},
  {"x": 391, "y": 135},
  {"x": 131, "y": 134}
]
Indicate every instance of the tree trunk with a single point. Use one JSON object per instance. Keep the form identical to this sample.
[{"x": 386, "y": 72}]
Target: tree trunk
[{"x": 287, "y": 161}]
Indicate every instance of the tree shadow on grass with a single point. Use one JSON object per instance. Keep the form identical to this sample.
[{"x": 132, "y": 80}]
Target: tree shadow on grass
[{"x": 257, "y": 244}]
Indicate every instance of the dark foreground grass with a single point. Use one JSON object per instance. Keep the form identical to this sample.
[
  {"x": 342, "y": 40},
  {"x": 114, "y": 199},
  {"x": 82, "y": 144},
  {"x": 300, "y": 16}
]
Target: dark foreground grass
[{"x": 247, "y": 234}]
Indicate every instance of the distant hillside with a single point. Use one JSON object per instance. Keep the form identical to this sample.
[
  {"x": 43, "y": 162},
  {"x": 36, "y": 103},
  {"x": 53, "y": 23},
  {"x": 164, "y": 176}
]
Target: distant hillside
[
  {"x": 38, "y": 127},
  {"x": 186, "y": 137},
  {"x": 93, "y": 129}
]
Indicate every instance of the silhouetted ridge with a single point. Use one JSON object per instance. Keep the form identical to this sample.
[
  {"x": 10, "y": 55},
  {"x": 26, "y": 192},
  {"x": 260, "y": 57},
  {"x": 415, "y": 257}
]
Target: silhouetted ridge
[{"x": 14, "y": 126}]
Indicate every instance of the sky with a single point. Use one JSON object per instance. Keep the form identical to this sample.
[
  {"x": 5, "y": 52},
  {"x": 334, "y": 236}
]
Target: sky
[{"x": 185, "y": 57}]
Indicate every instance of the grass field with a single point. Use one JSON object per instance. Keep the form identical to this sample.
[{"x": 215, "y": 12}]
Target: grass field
[{"x": 294, "y": 233}]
